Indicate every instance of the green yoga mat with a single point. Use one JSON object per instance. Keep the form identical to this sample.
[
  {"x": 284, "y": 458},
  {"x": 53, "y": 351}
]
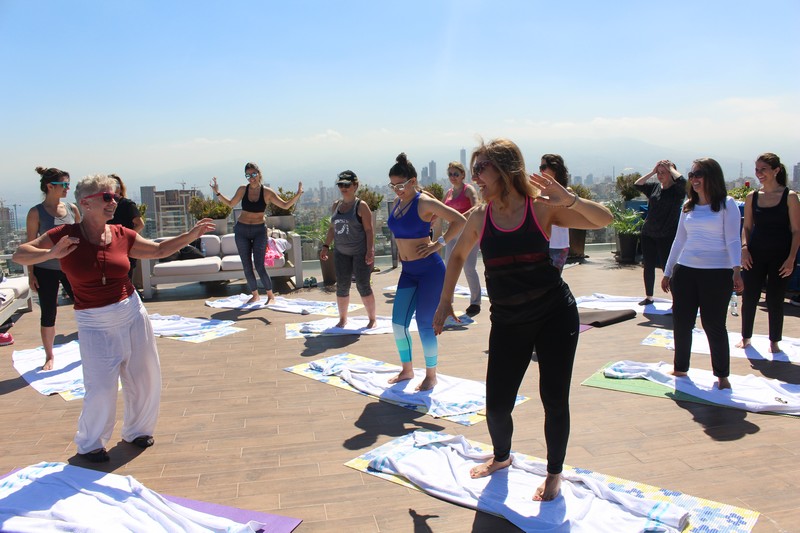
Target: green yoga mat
[{"x": 639, "y": 386}]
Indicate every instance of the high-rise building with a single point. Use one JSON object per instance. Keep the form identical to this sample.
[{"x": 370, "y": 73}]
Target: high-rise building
[
  {"x": 464, "y": 162},
  {"x": 167, "y": 211},
  {"x": 432, "y": 171},
  {"x": 796, "y": 177},
  {"x": 423, "y": 176}
]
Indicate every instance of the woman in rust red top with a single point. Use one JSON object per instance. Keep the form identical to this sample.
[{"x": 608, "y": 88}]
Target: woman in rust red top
[{"x": 115, "y": 335}]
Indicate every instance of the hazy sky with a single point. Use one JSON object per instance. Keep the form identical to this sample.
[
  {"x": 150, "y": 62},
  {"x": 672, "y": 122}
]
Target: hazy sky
[{"x": 168, "y": 91}]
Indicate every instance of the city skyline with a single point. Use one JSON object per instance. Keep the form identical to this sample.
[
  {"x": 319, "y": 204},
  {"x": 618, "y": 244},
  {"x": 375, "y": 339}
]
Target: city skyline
[{"x": 166, "y": 94}]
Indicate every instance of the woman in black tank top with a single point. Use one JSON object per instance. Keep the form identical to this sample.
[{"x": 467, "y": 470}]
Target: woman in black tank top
[
  {"x": 250, "y": 230},
  {"x": 531, "y": 306},
  {"x": 770, "y": 239}
]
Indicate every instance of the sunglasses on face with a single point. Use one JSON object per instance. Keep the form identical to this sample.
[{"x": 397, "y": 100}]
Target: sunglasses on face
[
  {"x": 344, "y": 185},
  {"x": 107, "y": 196},
  {"x": 479, "y": 167},
  {"x": 542, "y": 168},
  {"x": 699, "y": 174},
  {"x": 254, "y": 175},
  {"x": 454, "y": 174},
  {"x": 400, "y": 186},
  {"x": 64, "y": 184}
]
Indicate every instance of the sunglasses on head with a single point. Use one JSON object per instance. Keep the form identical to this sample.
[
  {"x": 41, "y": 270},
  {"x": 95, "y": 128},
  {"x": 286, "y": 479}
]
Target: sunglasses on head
[
  {"x": 345, "y": 185},
  {"x": 107, "y": 196},
  {"x": 64, "y": 184},
  {"x": 699, "y": 174},
  {"x": 479, "y": 167},
  {"x": 252, "y": 175},
  {"x": 400, "y": 186}
]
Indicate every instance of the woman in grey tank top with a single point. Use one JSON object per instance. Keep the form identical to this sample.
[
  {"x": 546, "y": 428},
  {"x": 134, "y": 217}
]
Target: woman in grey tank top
[
  {"x": 354, "y": 251},
  {"x": 45, "y": 278}
]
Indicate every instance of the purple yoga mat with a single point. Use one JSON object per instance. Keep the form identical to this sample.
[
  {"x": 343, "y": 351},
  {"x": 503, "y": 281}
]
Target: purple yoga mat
[{"x": 275, "y": 523}]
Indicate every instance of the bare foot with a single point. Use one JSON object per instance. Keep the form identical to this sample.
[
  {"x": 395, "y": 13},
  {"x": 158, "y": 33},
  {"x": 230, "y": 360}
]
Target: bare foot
[
  {"x": 774, "y": 348},
  {"x": 724, "y": 383},
  {"x": 744, "y": 343},
  {"x": 488, "y": 468},
  {"x": 253, "y": 299},
  {"x": 402, "y": 376},
  {"x": 549, "y": 489},
  {"x": 342, "y": 323},
  {"x": 427, "y": 384},
  {"x": 372, "y": 323},
  {"x": 48, "y": 364},
  {"x": 679, "y": 374}
]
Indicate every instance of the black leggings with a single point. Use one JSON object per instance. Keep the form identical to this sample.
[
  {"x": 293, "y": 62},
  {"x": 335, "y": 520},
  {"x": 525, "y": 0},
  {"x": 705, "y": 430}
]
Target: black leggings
[
  {"x": 48, "y": 293},
  {"x": 709, "y": 290},
  {"x": 764, "y": 268},
  {"x": 510, "y": 347},
  {"x": 655, "y": 251}
]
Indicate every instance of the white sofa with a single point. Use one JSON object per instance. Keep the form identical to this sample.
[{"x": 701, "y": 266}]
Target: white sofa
[
  {"x": 15, "y": 294},
  {"x": 221, "y": 263}
]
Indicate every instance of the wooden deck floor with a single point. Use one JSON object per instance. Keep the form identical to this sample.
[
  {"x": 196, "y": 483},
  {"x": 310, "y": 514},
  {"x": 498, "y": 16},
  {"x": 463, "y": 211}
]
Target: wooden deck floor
[{"x": 236, "y": 429}]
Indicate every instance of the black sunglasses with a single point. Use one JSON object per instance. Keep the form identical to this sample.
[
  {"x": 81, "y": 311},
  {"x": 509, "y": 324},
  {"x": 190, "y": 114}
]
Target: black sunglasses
[
  {"x": 107, "y": 196},
  {"x": 697, "y": 174},
  {"x": 542, "y": 168},
  {"x": 344, "y": 185},
  {"x": 478, "y": 168}
]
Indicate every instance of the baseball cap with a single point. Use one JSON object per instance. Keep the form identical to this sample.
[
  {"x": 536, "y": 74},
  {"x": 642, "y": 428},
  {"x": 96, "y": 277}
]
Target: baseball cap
[{"x": 348, "y": 176}]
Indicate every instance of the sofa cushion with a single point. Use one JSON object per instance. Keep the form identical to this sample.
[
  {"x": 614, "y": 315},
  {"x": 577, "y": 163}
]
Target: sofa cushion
[
  {"x": 232, "y": 262},
  {"x": 211, "y": 243},
  {"x": 228, "y": 245},
  {"x": 206, "y": 265},
  {"x": 18, "y": 286}
]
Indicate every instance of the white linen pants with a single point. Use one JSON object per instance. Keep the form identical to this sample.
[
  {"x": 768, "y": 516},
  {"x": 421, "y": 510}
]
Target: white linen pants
[{"x": 117, "y": 341}]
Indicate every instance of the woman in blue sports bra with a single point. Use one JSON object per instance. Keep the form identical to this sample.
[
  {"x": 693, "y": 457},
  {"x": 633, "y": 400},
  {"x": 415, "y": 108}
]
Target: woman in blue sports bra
[
  {"x": 531, "y": 306},
  {"x": 250, "y": 230},
  {"x": 423, "y": 269}
]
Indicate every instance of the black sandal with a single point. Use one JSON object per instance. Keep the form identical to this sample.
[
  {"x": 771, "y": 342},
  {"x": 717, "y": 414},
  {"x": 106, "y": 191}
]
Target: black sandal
[
  {"x": 97, "y": 456},
  {"x": 144, "y": 441}
]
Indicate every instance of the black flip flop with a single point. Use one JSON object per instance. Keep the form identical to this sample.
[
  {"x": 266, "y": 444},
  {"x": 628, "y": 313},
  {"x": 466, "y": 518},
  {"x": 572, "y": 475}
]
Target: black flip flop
[
  {"x": 144, "y": 441},
  {"x": 97, "y": 456}
]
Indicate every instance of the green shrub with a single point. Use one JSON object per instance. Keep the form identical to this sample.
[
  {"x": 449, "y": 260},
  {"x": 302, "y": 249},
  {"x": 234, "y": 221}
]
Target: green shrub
[{"x": 202, "y": 208}]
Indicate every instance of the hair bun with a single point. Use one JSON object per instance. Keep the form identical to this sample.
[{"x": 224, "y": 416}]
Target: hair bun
[
  {"x": 402, "y": 158},
  {"x": 40, "y": 170}
]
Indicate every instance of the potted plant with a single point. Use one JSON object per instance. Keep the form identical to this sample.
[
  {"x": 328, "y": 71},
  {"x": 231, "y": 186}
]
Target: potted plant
[
  {"x": 577, "y": 237},
  {"x": 627, "y": 224},
  {"x": 626, "y": 188},
  {"x": 280, "y": 218},
  {"x": 202, "y": 208}
]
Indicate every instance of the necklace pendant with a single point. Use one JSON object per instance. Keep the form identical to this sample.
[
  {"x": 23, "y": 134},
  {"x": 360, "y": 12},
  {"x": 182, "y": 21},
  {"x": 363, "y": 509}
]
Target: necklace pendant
[{"x": 103, "y": 280}]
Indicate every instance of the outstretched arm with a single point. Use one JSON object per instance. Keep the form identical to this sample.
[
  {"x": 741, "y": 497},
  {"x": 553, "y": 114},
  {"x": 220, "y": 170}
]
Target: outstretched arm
[{"x": 146, "y": 249}]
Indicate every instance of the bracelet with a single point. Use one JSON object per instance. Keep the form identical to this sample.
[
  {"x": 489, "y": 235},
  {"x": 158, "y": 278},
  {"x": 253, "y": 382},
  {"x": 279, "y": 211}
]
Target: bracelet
[
  {"x": 574, "y": 201},
  {"x": 218, "y": 193}
]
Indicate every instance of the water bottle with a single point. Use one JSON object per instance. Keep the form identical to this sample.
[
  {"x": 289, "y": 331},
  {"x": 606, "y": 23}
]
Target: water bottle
[{"x": 734, "y": 305}]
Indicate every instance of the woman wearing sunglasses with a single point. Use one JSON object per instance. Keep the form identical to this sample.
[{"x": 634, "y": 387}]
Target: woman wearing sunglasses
[
  {"x": 553, "y": 167},
  {"x": 46, "y": 277},
  {"x": 462, "y": 197},
  {"x": 770, "y": 239},
  {"x": 115, "y": 335},
  {"x": 704, "y": 266},
  {"x": 352, "y": 234},
  {"x": 531, "y": 306},
  {"x": 664, "y": 201},
  {"x": 250, "y": 231},
  {"x": 421, "y": 279}
]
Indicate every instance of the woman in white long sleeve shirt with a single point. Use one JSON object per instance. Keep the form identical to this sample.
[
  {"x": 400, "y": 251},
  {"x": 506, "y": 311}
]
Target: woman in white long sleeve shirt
[{"x": 704, "y": 266}]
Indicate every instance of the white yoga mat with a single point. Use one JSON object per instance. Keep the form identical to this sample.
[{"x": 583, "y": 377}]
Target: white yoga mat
[
  {"x": 67, "y": 373},
  {"x": 439, "y": 464},
  {"x": 357, "y": 325},
  {"x": 758, "y": 349},
  {"x": 609, "y": 302},
  {"x": 460, "y": 291},
  {"x": 451, "y": 396},
  {"x": 748, "y": 393},
  {"x": 61, "y": 497},
  {"x": 298, "y": 306},
  {"x": 181, "y": 326}
]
